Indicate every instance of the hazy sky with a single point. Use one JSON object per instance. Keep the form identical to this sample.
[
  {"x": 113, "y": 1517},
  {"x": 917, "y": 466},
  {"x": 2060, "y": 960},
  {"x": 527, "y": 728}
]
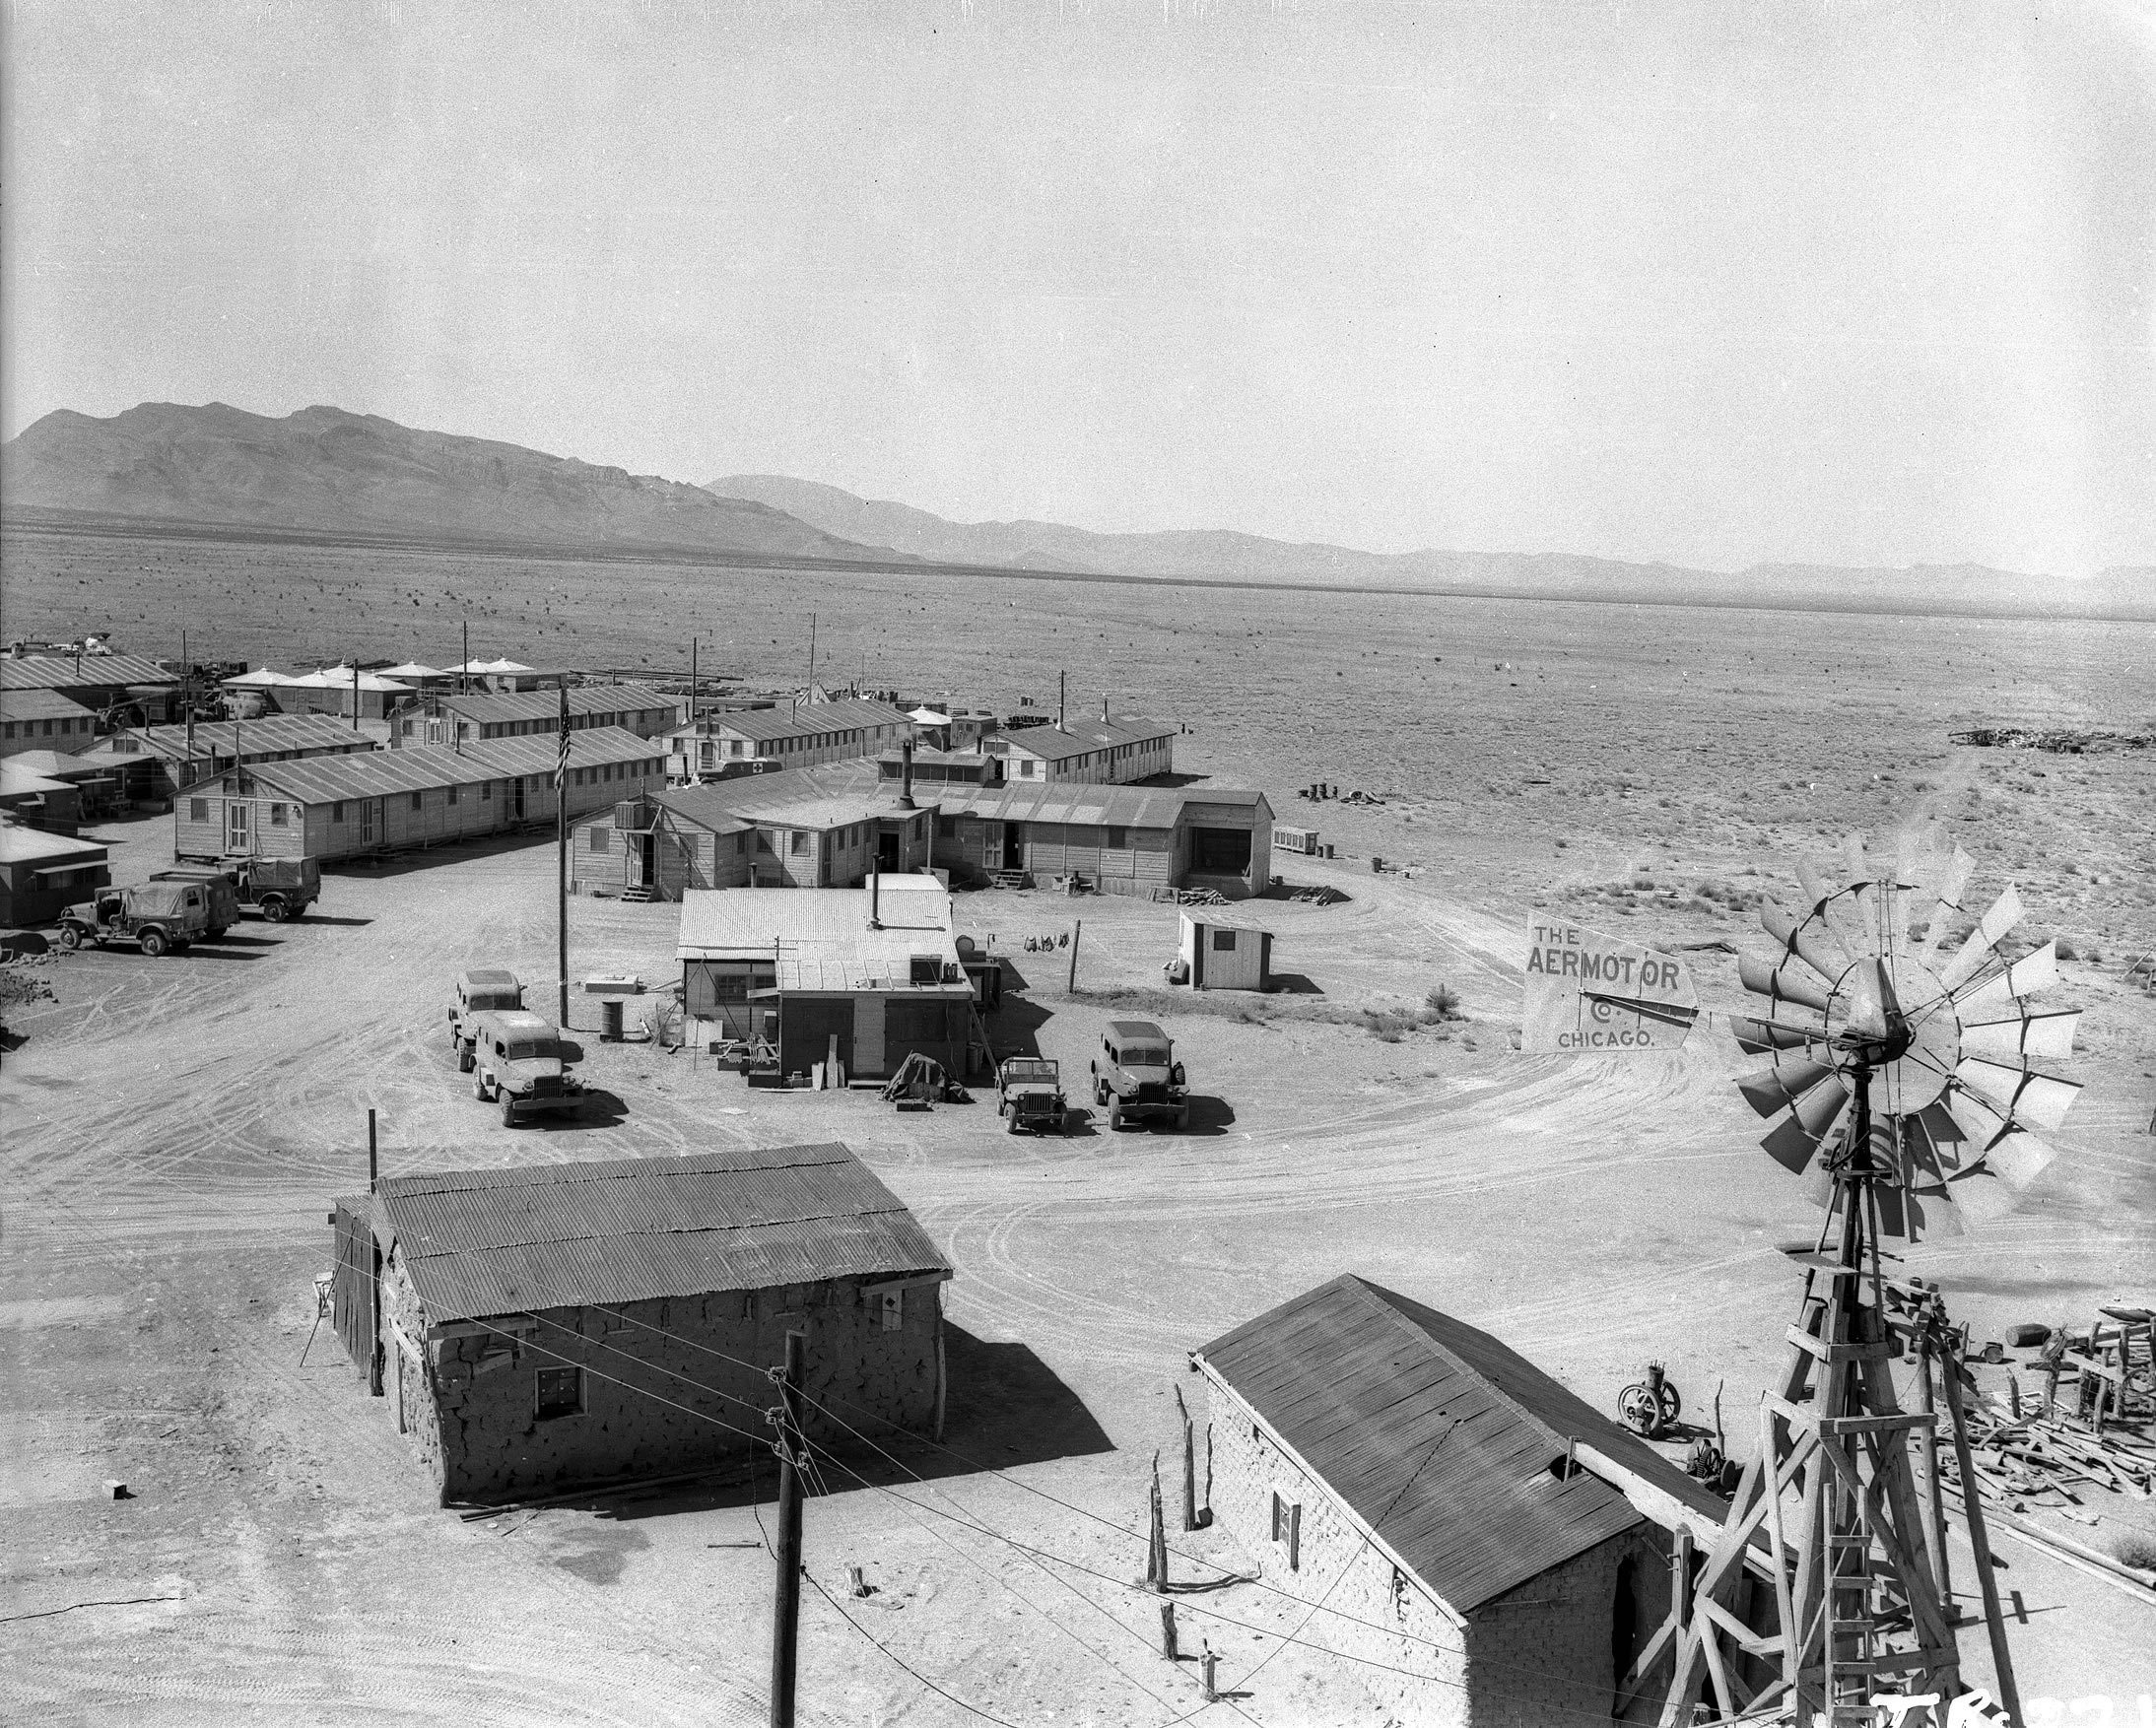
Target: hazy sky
[{"x": 1714, "y": 283}]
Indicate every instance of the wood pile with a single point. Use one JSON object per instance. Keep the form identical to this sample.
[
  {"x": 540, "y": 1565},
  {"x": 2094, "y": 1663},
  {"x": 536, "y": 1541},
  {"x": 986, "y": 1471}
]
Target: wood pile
[
  {"x": 2059, "y": 742},
  {"x": 1322, "y": 895},
  {"x": 2045, "y": 1451}
]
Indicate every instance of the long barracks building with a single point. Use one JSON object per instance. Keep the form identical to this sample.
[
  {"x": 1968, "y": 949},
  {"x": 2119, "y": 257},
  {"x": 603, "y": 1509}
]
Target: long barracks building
[{"x": 348, "y": 805}]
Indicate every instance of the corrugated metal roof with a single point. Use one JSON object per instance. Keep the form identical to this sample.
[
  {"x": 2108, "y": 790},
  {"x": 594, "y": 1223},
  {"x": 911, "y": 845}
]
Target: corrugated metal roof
[
  {"x": 500, "y": 1241},
  {"x": 20, "y": 846},
  {"x": 820, "y": 939},
  {"x": 515, "y": 706},
  {"x": 328, "y": 778},
  {"x": 1082, "y": 736},
  {"x": 1155, "y": 807},
  {"x": 92, "y": 672},
  {"x": 39, "y": 704},
  {"x": 1363, "y": 1383},
  {"x": 267, "y": 736}
]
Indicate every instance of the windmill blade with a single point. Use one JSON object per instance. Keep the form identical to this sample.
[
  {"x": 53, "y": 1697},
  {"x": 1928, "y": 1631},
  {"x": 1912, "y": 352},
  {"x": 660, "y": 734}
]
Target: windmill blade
[
  {"x": 1831, "y": 909},
  {"x": 1778, "y": 985},
  {"x": 1969, "y": 960},
  {"x": 1762, "y": 1037},
  {"x": 2030, "y": 974},
  {"x": 1801, "y": 939},
  {"x": 1793, "y": 1142},
  {"x": 2020, "y": 1094},
  {"x": 1947, "y": 892},
  {"x": 1822, "y": 1104},
  {"x": 2019, "y": 1158},
  {"x": 2045, "y": 1035},
  {"x": 1778, "y": 1086}
]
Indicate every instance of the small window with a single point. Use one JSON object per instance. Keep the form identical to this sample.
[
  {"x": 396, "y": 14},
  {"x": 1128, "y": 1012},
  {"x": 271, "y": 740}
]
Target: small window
[
  {"x": 198, "y": 810},
  {"x": 336, "y": 810},
  {"x": 485, "y": 791},
  {"x": 601, "y": 836},
  {"x": 453, "y": 796},
  {"x": 1118, "y": 839},
  {"x": 1223, "y": 942},
  {"x": 894, "y": 1310},
  {"x": 741, "y": 845},
  {"x": 278, "y": 817},
  {"x": 559, "y": 1392},
  {"x": 1288, "y": 1530},
  {"x": 415, "y": 800},
  {"x": 946, "y": 828},
  {"x": 797, "y": 843}
]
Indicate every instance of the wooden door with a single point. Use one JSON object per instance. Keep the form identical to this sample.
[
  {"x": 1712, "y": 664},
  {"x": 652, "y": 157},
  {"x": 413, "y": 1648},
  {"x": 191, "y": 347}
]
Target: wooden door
[{"x": 238, "y": 825}]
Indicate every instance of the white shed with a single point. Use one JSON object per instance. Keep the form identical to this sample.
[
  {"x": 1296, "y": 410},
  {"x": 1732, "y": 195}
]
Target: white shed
[{"x": 1225, "y": 957}]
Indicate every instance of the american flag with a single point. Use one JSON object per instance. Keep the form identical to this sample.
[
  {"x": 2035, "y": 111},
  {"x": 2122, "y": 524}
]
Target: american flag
[{"x": 561, "y": 758}]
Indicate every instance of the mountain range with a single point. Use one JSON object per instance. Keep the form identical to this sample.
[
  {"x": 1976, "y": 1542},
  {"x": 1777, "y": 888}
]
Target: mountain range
[{"x": 327, "y": 472}]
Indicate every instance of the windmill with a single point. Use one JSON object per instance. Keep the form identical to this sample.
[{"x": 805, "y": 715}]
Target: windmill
[{"x": 1902, "y": 1082}]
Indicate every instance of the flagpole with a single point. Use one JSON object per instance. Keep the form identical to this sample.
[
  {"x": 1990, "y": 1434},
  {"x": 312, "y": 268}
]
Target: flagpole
[{"x": 560, "y": 856}]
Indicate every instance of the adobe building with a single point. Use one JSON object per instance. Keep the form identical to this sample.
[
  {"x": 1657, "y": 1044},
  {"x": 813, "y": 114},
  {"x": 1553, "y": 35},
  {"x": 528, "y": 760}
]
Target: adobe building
[
  {"x": 543, "y": 1327},
  {"x": 1393, "y": 1463}
]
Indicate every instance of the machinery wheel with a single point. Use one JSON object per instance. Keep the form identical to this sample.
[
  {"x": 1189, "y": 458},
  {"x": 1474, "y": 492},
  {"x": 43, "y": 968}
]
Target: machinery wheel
[
  {"x": 1641, "y": 1409},
  {"x": 1011, "y": 1126},
  {"x": 153, "y": 943},
  {"x": 274, "y": 910},
  {"x": 1114, "y": 1114},
  {"x": 1672, "y": 1404},
  {"x": 71, "y": 937}
]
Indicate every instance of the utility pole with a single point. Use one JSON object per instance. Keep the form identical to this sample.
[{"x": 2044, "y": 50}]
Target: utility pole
[
  {"x": 811, "y": 692},
  {"x": 464, "y": 667},
  {"x": 373, "y": 1164},
  {"x": 1070, "y": 983},
  {"x": 355, "y": 693},
  {"x": 693, "y": 716},
  {"x": 786, "y": 1602},
  {"x": 561, "y": 859}
]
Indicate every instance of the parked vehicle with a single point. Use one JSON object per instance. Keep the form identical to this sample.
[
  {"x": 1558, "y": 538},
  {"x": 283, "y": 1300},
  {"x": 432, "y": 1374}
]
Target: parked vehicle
[
  {"x": 1029, "y": 1095},
  {"x": 278, "y": 888},
  {"x": 477, "y": 992},
  {"x": 1137, "y": 1078},
  {"x": 159, "y": 918},
  {"x": 224, "y": 896},
  {"x": 521, "y": 1065}
]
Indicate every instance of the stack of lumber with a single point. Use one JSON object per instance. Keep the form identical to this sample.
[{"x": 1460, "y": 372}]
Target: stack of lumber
[
  {"x": 2050, "y": 1458},
  {"x": 1322, "y": 895}
]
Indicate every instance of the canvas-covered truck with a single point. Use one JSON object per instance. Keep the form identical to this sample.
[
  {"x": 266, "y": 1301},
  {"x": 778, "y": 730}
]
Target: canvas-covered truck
[
  {"x": 1029, "y": 1095},
  {"x": 483, "y": 990},
  {"x": 276, "y": 887},
  {"x": 1136, "y": 1077},
  {"x": 520, "y": 1066},
  {"x": 159, "y": 918}
]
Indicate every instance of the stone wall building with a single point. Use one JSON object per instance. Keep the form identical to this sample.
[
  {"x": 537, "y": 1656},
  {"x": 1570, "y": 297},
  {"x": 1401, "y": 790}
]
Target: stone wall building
[
  {"x": 1493, "y": 1550},
  {"x": 549, "y": 1326}
]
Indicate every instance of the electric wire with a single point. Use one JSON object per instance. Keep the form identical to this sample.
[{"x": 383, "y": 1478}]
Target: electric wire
[{"x": 900, "y": 1661}]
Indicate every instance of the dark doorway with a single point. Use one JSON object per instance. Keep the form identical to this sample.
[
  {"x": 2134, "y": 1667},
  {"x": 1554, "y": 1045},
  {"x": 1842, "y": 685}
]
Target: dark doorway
[
  {"x": 1624, "y": 1628},
  {"x": 1014, "y": 845},
  {"x": 516, "y": 798},
  {"x": 886, "y": 850},
  {"x": 648, "y": 847}
]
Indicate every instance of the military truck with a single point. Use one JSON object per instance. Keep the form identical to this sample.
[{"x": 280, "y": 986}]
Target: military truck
[
  {"x": 1029, "y": 1095},
  {"x": 159, "y": 918},
  {"x": 223, "y": 898},
  {"x": 520, "y": 1066},
  {"x": 480, "y": 991},
  {"x": 1136, "y": 1077}
]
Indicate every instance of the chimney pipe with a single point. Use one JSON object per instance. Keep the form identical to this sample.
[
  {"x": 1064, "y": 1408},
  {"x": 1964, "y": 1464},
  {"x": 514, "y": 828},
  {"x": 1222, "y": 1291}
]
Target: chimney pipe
[
  {"x": 1062, "y": 678},
  {"x": 906, "y": 784},
  {"x": 875, "y": 898},
  {"x": 1104, "y": 708}
]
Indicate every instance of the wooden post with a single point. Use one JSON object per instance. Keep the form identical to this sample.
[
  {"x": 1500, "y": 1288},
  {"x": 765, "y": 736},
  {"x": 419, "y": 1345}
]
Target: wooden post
[
  {"x": 1927, "y": 1442},
  {"x": 787, "y": 1599},
  {"x": 373, "y": 1165},
  {"x": 1212, "y": 1671},
  {"x": 1971, "y": 1503},
  {"x": 1156, "y": 1545},
  {"x": 1070, "y": 983},
  {"x": 1190, "y": 1468},
  {"x": 1167, "y": 1632}
]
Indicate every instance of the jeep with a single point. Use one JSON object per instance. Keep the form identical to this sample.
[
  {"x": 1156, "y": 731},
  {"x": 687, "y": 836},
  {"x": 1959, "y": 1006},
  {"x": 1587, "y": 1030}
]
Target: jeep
[
  {"x": 159, "y": 917},
  {"x": 1137, "y": 1078},
  {"x": 519, "y": 1055},
  {"x": 1029, "y": 1095},
  {"x": 479, "y": 992}
]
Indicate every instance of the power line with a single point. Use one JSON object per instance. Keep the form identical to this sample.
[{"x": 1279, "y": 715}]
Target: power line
[{"x": 970, "y": 1709}]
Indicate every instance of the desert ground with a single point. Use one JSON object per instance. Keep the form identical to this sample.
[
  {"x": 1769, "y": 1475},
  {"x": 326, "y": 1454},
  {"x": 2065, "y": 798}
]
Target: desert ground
[{"x": 175, "y": 1130}]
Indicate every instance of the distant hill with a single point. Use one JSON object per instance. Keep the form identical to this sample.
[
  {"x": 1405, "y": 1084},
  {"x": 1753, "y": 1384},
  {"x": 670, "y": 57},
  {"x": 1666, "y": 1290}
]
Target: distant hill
[
  {"x": 1222, "y": 556},
  {"x": 328, "y": 470}
]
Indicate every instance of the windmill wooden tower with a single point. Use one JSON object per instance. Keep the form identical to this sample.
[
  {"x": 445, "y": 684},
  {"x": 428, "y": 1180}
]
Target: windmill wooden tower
[{"x": 1902, "y": 1083}]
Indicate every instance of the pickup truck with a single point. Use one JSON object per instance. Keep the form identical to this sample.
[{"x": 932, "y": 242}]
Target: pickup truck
[
  {"x": 277, "y": 887},
  {"x": 521, "y": 1065}
]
